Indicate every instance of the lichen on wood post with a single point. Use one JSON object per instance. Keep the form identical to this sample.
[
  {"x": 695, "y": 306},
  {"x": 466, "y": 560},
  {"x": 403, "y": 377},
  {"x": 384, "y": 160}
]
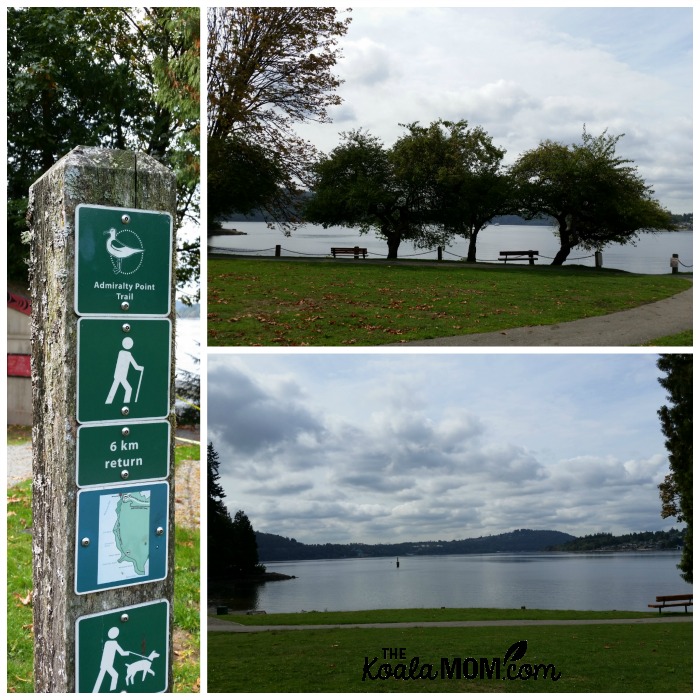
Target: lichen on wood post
[{"x": 95, "y": 176}]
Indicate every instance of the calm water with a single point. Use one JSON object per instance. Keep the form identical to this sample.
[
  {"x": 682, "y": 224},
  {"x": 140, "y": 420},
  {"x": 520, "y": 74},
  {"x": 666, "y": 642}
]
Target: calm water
[
  {"x": 187, "y": 344},
  {"x": 626, "y": 581},
  {"x": 651, "y": 255}
]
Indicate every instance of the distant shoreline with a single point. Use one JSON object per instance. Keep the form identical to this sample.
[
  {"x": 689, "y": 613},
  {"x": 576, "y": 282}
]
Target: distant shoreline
[{"x": 225, "y": 232}]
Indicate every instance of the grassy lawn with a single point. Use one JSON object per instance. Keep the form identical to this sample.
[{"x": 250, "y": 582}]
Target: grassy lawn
[
  {"x": 685, "y": 338},
  {"x": 262, "y": 302},
  {"x": 428, "y": 615},
  {"x": 19, "y": 587},
  {"x": 590, "y": 658}
]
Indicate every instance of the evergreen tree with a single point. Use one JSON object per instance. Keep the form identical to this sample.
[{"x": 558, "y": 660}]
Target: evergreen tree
[
  {"x": 231, "y": 544},
  {"x": 218, "y": 519},
  {"x": 245, "y": 547},
  {"x": 677, "y": 425}
]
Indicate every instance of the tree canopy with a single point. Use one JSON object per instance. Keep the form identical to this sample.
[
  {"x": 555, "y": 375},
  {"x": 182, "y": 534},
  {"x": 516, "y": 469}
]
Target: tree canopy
[
  {"x": 124, "y": 78},
  {"x": 268, "y": 69},
  {"x": 595, "y": 196},
  {"x": 433, "y": 183},
  {"x": 460, "y": 168},
  {"x": 676, "y": 490}
]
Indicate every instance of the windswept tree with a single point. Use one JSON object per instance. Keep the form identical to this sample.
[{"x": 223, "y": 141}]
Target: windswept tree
[
  {"x": 268, "y": 69},
  {"x": 124, "y": 78},
  {"x": 460, "y": 170},
  {"x": 362, "y": 184},
  {"x": 676, "y": 491},
  {"x": 595, "y": 196}
]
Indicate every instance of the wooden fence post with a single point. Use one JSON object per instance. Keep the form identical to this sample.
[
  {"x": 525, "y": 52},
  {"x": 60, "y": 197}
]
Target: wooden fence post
[{"x": 88, "y": 610}]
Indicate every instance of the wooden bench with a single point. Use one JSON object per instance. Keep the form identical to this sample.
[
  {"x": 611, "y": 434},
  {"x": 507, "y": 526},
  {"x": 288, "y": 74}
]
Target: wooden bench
[
  {"x": 355, "y": 252},
  {"x": 670, "y": 601},
  {"x": 519, "y": 255}
]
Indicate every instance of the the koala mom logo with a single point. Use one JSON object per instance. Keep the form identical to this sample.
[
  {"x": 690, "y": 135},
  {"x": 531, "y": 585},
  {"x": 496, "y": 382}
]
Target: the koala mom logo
[{"x": 396, "y": 666}]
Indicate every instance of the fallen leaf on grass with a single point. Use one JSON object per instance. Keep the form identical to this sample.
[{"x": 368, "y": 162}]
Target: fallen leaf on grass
[{"x": 26, "y": 600}]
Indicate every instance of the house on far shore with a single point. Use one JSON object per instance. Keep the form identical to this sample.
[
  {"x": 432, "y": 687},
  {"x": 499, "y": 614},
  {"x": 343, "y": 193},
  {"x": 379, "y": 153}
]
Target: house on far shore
[{"x": 19, "y": 376}]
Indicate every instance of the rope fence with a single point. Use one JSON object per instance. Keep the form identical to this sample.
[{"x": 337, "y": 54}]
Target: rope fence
[{"x": 437, "y": 252}]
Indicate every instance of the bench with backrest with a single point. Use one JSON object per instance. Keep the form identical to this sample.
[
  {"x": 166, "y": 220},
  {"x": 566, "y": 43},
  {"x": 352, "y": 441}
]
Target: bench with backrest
[
  {"x": 670, "y": 601},
  {"x": 519, "y": 255},
  {"x": 355, "y": 252}
]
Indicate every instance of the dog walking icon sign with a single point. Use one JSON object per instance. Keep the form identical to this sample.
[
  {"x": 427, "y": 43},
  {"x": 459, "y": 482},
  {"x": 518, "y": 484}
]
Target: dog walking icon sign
[{"x": 123, "y": 650}]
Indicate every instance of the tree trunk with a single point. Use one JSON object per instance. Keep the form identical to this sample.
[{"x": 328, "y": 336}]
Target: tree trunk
[
  {"x": 84, "y": 176},
  {"x": 471, "y": 251},
  {"x": 565, "y": 246},
  {"x": 392, "y": 233}
]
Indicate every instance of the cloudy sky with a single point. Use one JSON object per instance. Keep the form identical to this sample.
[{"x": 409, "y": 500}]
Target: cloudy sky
[
  {"x": 525, "y": 75},
  {"x": 393, "y": 447}
]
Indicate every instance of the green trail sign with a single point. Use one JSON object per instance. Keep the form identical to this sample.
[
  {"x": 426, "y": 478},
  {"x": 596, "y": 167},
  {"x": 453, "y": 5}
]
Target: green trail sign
[
  {"x": 115, "y": 453},
  {"x": 124, "y": 650},
  {"x": 122, "y": 536},
  {"x": 123, "y": 369},
  {"x": 123, "y": 261}
]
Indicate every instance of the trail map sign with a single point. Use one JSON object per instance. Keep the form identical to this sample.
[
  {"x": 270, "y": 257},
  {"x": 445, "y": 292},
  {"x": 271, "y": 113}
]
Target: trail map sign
[
  {"x": 122, "y": 536},
  {"x": 123, "y": 369},
  {"x": 123, "y": 650},
  {"x": 122, "y": 261},
  {"x": 121, "y": 452}
]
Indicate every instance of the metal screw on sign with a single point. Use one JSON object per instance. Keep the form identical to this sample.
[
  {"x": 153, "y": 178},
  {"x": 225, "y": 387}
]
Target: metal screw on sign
[
  {"x": 85, "y": 542},
  {"x": 126, "y": 219},
  {"x": 125, "y": 411},
  {"x": 126, "y": 328},
  {"x": 125, "y": 474},
  {"x": 125, "y": 618},
  {"x": 125, "y": 431},
  {"x": 125, "y": 306},
  {"x": 159, "y": 531}
]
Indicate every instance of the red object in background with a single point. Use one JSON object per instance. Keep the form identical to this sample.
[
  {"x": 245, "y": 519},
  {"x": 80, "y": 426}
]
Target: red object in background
[{"x": 19, "y": 366}]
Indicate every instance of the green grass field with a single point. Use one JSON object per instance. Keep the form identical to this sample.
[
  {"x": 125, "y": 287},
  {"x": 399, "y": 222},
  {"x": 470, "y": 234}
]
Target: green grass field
[
  {"x": 20, "y": 649},
  {"x": 590, "y": 658},
  {"x": 284, "y": 303}
]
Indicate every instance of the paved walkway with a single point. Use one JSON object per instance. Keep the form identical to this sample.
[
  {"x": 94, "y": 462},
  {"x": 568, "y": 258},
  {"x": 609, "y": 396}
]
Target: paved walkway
[
  {"x": 215, "y": 624},
  {"x": 638, "y": 326}
]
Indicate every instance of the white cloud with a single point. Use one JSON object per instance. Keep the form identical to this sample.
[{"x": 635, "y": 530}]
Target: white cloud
[
  {"x": 525, "y": 75},
  {"x": 396, "y": 447}
]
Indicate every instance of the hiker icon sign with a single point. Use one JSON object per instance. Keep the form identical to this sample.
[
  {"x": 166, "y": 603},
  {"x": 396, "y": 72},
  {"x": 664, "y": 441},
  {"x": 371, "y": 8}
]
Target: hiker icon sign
[
  {"x": 121, "y": 372},
  {"x": 123, "y": 369},
  {"x": 123, "y": 650}
]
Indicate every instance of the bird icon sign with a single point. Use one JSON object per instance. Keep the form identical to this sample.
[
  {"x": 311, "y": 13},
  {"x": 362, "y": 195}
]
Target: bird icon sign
[{"x": 124, "y": 261}]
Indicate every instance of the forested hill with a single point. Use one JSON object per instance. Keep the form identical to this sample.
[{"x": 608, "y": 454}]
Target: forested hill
[
  {"x": 636, "y": 541},
  {"x": 277, "y": 548}
]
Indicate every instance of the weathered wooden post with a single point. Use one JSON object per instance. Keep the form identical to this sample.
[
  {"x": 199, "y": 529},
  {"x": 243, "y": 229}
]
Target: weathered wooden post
[{"x": 101, "y": 279}]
